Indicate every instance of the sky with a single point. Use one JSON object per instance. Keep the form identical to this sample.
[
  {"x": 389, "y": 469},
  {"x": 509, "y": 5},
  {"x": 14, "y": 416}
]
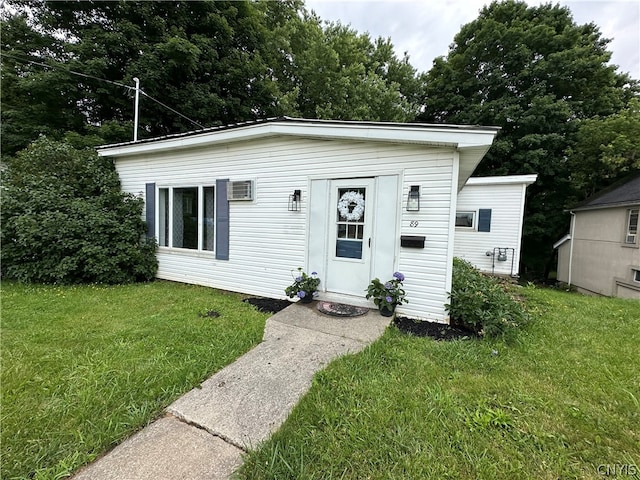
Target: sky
[{"x": 425, "y": 28}]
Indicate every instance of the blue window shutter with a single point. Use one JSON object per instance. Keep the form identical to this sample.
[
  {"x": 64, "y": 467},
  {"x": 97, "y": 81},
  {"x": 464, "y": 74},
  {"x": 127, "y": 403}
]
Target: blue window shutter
[
  {"x": 150, "y": 204},
  {"x": 484, "y": 220},
  {"x": 222, "y": 220}
]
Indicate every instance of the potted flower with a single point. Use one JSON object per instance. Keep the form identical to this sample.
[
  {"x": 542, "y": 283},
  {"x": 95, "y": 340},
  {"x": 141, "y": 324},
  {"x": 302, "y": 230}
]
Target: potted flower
[
  {"x": 387, "y": 295},
  {"x": 304, "y": 286}
]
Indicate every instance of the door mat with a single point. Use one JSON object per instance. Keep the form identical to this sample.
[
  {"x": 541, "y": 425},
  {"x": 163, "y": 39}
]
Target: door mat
[{"x": 341, "y": 310}]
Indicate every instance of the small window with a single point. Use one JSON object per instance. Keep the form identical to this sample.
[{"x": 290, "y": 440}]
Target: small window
[
  {"x": 636, "y": 276},
  {"x": 631, "y": 236},
  {"x": 465, "y": 219}
]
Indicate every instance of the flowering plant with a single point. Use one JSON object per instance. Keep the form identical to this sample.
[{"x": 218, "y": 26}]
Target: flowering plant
[
  {"x": 304, "y": 285},
  {"x": 387, "y": 294}
]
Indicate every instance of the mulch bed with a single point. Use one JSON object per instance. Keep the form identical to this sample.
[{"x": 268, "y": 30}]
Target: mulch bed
[
  {"x": 267, "y": 305},
  {"x": 437, "y": 331}
]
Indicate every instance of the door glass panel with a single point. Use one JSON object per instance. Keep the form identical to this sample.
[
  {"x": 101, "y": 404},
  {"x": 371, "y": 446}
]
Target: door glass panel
[{"x": 350, "y": 217}]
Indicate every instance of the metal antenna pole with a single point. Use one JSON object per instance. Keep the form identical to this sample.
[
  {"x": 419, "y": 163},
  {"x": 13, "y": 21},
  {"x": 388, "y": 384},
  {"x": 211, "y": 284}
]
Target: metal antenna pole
[{"x": 135, "y": 113}]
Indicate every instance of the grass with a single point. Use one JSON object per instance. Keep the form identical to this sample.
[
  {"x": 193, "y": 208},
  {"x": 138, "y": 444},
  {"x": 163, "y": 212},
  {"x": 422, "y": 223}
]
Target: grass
[
  {"x": 559, "y": 401},
  {"x": 84, "y": 367}
]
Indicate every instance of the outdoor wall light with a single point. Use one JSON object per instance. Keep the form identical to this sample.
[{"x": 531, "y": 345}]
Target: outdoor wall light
[
  {"x": 413, "y": 199},
  {"x": 295, "y": 201}
]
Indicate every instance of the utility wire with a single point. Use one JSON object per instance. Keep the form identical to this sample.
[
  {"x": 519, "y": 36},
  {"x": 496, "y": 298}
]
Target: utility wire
[
  {"x": 103, "y": 80},
  {"x": 168, "y": 107},
  {"x": 70, "y": 71}
]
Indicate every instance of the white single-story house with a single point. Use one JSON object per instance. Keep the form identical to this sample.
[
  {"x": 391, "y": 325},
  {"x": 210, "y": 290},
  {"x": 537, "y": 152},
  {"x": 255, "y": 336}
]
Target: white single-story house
[
  {"x": 489, "y": 220},
  {"x": 239, "y": 207}
]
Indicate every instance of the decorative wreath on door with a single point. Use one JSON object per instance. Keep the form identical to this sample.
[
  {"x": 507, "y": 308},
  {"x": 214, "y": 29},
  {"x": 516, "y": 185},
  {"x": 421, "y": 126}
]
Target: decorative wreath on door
[{"x": 346, "y": 201}]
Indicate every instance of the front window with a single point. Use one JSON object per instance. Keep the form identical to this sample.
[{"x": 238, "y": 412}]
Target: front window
[
  {"x": 632, "y": 226},
  {"x": 465, "y": 219},
  {"x": 186, "y": 217}
]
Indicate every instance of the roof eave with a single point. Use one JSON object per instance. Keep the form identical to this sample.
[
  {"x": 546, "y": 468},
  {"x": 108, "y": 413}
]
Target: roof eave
[
  {"x": 504, "y": 180},
  {"x": 632, "y": 203},
  {"x": 436, "y": 135}
]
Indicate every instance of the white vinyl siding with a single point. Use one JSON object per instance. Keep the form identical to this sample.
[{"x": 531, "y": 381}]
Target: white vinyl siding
[
  {"x": 266, "y": 240},
  {"x": 506, "y": 202},
  {"x": 427, "y": 270}
]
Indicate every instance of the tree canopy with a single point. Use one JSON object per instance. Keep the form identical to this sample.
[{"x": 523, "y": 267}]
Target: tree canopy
[
  {"x": 565, "y": 113},
  {"x": 217, "y": 62},
  {"x": 536, "y": 74},
  {"x": 607, "y": 149}
]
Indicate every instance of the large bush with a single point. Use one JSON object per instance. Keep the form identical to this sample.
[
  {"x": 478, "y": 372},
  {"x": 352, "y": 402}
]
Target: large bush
[
  {"x": 65, "y": 219},
  {"x": 481, "y": 303}
]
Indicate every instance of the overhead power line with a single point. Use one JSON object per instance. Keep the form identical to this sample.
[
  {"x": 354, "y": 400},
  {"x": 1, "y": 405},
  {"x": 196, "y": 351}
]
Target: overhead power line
[
  {"x": 129, "y": 87},
  {"x": 169, "y": 108},
  {"x": 56, "y": 67}
]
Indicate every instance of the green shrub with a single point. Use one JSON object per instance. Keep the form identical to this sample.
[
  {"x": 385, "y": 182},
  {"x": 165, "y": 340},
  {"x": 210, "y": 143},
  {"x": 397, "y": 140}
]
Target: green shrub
[
  {"x": 481, "y": 303},
  {"x": 65, "y": 219}
]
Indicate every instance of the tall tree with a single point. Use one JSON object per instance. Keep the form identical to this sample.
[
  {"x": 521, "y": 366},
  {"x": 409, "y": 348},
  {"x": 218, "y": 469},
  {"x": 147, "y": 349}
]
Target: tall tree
[
  {"x": 206, "y": 59},
  {"x": 607, "y": 149},
  {"x": 217, "y": 62},
  {"x": 340, "y": 74},
  {"x": 35, "y": 99},
  {"x": 535, "y": 73}
]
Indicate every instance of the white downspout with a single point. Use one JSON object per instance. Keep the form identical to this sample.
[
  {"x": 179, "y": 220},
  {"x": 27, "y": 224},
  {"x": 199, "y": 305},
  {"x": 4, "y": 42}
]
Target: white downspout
[{"x": 573, "y": 228}]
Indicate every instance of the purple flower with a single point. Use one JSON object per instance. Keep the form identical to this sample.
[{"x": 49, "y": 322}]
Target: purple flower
[
  {"x": 399, "y": 276},
  {"x": 314, "y": 273},
  {"x": 301, "y": 294},
  {"x": 388, "y": 285},
  {"x": 389, "y": 299},
  {"x": 298, "y": 279}
]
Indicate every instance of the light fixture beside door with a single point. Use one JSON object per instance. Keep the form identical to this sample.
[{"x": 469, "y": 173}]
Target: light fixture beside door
[
  {"x": 295, "y": 201},
  {"x": 413, "y": 199}
]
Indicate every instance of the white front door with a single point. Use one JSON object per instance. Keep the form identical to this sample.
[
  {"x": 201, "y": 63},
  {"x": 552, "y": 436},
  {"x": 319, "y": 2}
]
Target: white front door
[{"x": 351, "y": 206}]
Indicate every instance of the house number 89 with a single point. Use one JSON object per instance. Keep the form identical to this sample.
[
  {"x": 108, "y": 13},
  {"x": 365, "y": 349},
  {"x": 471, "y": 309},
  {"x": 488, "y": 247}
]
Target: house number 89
[{"x": 413, "y": 224}]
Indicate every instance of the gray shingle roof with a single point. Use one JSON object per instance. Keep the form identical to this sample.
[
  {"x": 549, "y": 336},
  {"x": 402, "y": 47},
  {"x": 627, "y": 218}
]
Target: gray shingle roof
[{"x": 626, "y": 192}]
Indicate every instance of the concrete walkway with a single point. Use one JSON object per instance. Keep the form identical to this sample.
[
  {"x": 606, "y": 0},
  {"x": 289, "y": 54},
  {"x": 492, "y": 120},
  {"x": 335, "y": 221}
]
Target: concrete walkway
[{"x": 204, "y": 433}]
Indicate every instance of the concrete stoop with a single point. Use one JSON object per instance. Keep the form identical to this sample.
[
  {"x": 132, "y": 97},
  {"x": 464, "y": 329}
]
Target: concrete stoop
[{"x": 206, "y": 431}]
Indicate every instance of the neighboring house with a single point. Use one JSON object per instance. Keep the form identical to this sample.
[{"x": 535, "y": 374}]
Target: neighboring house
[
  {"x": 489, "y": 221},
  {"x": 601, "y": 254},
  {"x": 239, "y": 207}
]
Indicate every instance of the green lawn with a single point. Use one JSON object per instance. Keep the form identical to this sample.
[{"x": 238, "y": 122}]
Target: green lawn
[
  {"x": 559, "y": 401},
  {"x": 84, "y": 367}
]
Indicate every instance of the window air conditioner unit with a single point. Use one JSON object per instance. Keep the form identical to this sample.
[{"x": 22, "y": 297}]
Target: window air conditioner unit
[{"x": 242, "y": 190}]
